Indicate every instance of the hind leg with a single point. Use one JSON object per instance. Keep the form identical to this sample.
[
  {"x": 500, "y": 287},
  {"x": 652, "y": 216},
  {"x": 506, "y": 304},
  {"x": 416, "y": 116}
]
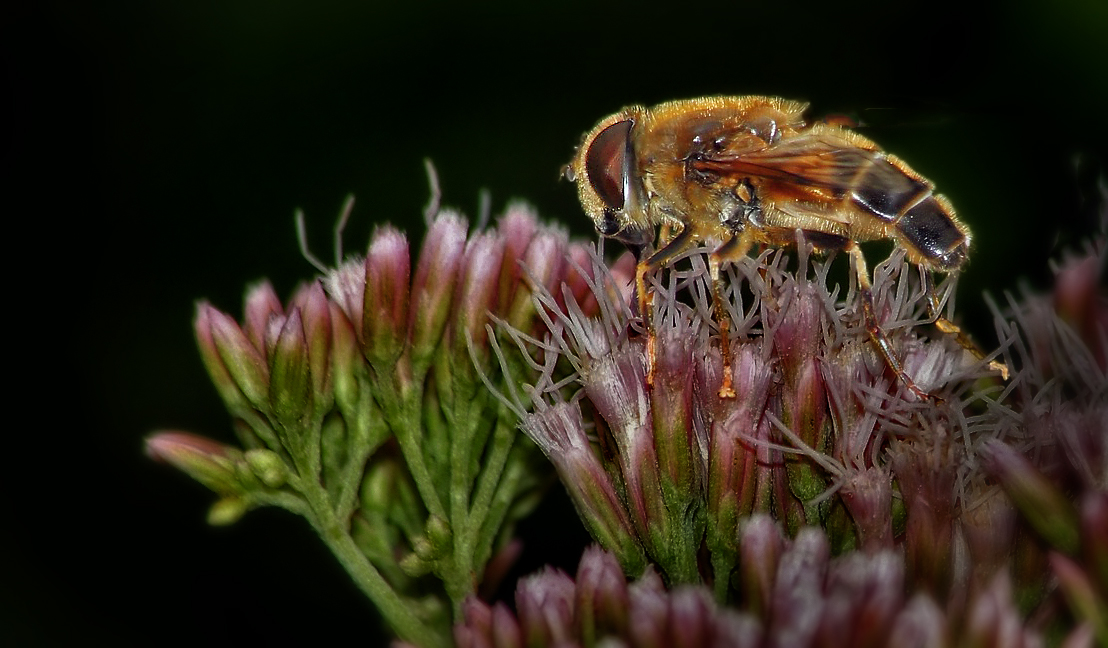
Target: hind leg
[
  {"x": 950, "y": 328},
  {"x": 873, "y": 327}
]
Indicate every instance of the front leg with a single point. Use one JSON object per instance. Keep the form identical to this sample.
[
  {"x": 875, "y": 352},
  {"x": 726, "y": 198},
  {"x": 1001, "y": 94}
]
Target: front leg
[
  {"x": 733, "y": 249},
  {"x": 656, "y": 261}
]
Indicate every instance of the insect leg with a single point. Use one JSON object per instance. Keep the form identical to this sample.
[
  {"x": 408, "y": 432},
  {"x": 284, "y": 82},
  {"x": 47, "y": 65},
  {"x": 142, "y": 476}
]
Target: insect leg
[
  {"x": 734, "y": 248},
  {"x": 876, "y": 333},
  {"x": 646, "y": 298},
  {"x": 950, "y": 328}
]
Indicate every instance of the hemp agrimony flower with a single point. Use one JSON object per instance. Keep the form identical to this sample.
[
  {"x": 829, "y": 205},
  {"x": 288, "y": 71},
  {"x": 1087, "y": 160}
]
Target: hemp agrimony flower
[
  {"x": 360, "y": 407},
  {"x": 404, "y": 411}
]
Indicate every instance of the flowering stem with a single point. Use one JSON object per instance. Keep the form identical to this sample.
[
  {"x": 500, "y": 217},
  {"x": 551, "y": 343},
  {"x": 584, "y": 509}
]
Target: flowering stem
[
  {"x": 403, "y": 416},
  {"x": 396, "y": 612},
  {"x": 494, "y": 479}
]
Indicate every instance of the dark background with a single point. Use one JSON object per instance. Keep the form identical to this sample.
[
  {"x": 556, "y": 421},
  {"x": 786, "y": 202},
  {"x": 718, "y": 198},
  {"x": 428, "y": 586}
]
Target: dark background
[{"x": 155, "y": 151}]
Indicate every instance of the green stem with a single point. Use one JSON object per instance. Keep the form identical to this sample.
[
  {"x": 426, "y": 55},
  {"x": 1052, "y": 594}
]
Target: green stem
[
  {"x": 393, "y": 608},
  {"x": 402, "y": 412},
  {"x": 488, "y": 485},
  {"x": 463, "y": 414}
]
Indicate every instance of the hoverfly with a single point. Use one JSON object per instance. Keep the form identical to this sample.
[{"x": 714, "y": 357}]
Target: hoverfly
[{"x": 749, "y": 170}]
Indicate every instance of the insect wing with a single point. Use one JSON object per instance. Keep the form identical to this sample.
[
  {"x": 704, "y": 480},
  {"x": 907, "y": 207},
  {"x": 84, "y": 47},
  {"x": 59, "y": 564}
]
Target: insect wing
[{"x": 818, "y": 166}]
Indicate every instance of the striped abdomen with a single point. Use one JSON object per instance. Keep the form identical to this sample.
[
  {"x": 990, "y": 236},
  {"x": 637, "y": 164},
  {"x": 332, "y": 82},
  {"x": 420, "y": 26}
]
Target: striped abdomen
[{"x": 887, "y": 189}]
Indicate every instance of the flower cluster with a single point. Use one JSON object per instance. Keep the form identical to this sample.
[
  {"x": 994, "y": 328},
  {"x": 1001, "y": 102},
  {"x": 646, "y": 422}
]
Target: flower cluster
[
  {"x": 796, "y": 594},
  {"x": 824, "y": 434},
  {"x": 826, "y": 504},
  {"x": 817, "y": 413},
  {"x": 360, "y": 406}
]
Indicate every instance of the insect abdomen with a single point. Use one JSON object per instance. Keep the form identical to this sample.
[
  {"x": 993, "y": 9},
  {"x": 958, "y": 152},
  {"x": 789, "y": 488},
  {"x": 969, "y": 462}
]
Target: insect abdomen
[
  {"x": 924, "y": 223},
  {"x": 931, "y": 230},
  {"x": 883, "y": 190}
]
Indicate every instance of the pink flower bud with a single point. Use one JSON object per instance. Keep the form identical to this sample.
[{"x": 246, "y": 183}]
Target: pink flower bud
[
  {"x": 760, "y": 552},
  {"x": 798, "y": 592},
  {"x": 544, "y": 262},
  {"x": 385, "y": 310},
  {"x": 602, "y": 600},
  {"x": 544, "y": 603},
  {"x": 241, "y": 361},
  {"x": 478, "y": 290},
  {"x": 209, "y": 462},
  {"x": 316, "y": 313},
  {"x": 437, "y": 273},
  {"x": 260, "y": 305},
  {"x": 868, "y": 495},
  {"x": 290, "y": 381}
]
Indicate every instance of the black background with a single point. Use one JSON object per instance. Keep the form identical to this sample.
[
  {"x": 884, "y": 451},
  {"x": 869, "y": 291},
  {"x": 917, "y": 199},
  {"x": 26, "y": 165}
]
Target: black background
[{"x": 154, "y": 153}]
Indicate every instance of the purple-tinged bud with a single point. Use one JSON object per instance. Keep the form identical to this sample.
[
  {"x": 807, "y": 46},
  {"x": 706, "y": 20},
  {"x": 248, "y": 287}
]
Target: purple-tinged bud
[
  {"x": 760, "y": 552},
  {"x": 1080, "y": 300},
  {"x": 921, "y": 624},
  {"x": 559, "y": 432},
  {"x": 385, "y": 310},
  {"x": 797, "y": 329},
  {"x": 234, "y": 357},
  {"x": 478, "y": 290},
  {"x": 1080, "y": 432},
  {"x": 736, "y": 461},
  {"x": 798, "y": 593},
  {"x": 260, "y": 305},
  {"x": 224, "y": 382},
  {"x": 345, "y": 286},
  {"x": 476, "y": 630},
  {"x": 436, "y": 276},
  {"x": 864, "y": 593},
  {"x": 615, "y": 383},
  {"x": 315, "y": 311},
  {"x": 580, "y": 272},
  {"x": 926, "y": 476},
  {"x": 517, "y": 227},
  {"x": 691, "y": 617},
  {"x": 989, "y": 527},
  {"x": 486, "y": 627},
  {"x": 506, "y": 632},
  {"x": 290, "y": 393},
  {"x": 993, "y": 619},
  {"x": 737, "y": 630},
  {"x": 1048, "y": 511},
  {"x": 623, "y": 277},
  {"x": 545, "y": 262},
  {"x": 649, "y": 611},
  {"x": 868, "y": 496},
  {"x": 545, "y": 606},
  {"x": 805, "y": 405},
  {"x": 498, "y": 566},
  {"x": 678, "y": 453},
  {"x": 602, "y": 600},
  {"x": 209, "y": 462},
  {"x": 854, "y": 420}
]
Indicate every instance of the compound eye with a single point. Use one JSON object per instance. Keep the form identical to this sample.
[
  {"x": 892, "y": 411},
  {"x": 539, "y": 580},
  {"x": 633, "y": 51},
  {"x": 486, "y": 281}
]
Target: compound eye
[{"x": 606, "y": 161}]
